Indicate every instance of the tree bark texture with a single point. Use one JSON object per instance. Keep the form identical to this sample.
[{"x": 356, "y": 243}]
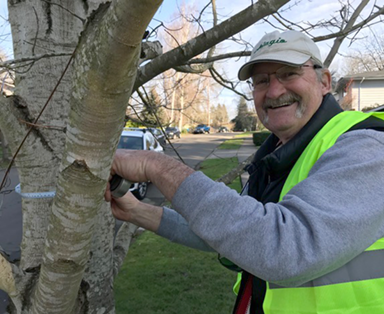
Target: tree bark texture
[{"x": 67, "y": 245}]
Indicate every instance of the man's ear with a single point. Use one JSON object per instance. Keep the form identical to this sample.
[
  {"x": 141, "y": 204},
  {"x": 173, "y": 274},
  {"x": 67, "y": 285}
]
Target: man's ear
[{"x": 326, "y": 82}]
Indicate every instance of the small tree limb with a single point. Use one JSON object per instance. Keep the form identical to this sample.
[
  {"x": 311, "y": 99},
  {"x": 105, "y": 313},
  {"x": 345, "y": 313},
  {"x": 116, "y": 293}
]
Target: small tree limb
[
  {"x": 123, "y": 241},
  {"x": 7, "y": 281},
  {"x": 235, "y": 172}
]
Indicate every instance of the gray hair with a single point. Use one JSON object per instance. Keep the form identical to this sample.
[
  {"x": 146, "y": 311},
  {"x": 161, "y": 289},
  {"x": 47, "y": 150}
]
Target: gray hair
[{"x": 319, "y": 69}]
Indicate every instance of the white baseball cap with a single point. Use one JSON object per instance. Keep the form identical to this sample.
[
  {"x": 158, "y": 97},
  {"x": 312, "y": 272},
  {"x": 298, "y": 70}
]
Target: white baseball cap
[{"x": 290, "y": 47}]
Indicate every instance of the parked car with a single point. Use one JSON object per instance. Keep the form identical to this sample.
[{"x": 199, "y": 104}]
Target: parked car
[
  {"x": 141, "y": 139},
  {"x": 201, "y": 129},
  {"x": 223, "y": 129},
  {"x": 159, "y": 135},
  {"x": 172, "y": 131}
]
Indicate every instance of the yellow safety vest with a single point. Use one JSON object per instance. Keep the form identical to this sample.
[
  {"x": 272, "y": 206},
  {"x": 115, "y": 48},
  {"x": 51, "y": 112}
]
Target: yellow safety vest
[{"x": 355, "y": 288}]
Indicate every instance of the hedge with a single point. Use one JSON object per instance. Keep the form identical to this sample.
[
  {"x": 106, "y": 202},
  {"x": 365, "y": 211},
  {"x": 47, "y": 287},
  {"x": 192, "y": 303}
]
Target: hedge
[{"x": 260, "y": 137}]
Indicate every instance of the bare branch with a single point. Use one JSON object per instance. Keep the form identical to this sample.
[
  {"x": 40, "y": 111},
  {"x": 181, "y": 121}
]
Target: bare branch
[
  {"x": 65, "y": 9},
  {"x": 124, "y": 238},
  {"x": 199, "y": 44},
  {"x": 339, "y": 40},
  {"x": 364, "y": 23},
  {"x": 9, "y": 63},
  {"x": 232, "y": 87},
  {"x": 220, "y": 57},
  {"x": 159, "y": 124},
  {"x": 7, "y": 282},
  {"x": 205, "y": 65},
  {"x": 235, "y": 172}
]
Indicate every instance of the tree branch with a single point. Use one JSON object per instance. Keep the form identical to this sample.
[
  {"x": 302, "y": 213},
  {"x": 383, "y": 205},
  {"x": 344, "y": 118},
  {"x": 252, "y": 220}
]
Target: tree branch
[
  {"x": 7, "y": 64},
  {"x": 7, "y": 281},
  {"x": 235, "y": 172},
  {"x": 339, "y": 40},
  {"x": 236, "y": 54},
  {"x": 215, "y": 35},
  {"x": 150, "y": 50},
  {"x": 219, "y": 79},
  {"x": 124, "y": 238},
  {"x": 357, "y": 26}
]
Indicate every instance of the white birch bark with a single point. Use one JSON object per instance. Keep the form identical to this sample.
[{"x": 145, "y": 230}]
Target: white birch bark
[
  {"x": 105, "y": 68},
  {"x": 104, "y": 91}
]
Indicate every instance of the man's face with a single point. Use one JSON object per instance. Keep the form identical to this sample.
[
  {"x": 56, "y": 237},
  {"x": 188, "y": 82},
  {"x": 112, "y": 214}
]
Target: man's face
[{"x": 284, "y": 108}]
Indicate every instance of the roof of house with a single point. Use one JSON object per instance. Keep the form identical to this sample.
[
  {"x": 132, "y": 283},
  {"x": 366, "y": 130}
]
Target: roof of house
[
  {"x": 372, "y": 75},
  {"x": 359, "y": 77},
  {"x": 379, "y": 108}
]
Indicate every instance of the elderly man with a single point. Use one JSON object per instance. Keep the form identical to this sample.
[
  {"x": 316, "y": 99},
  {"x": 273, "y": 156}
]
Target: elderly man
[{"x": 307, "y": 231}]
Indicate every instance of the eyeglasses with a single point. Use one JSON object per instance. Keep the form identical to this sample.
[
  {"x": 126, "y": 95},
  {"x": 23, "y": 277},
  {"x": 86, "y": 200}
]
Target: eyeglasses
[{"x": 260, "y": 81}]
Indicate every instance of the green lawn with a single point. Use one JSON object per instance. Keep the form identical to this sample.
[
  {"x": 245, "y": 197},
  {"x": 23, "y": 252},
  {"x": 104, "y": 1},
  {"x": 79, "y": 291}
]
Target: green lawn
[
  {"x": 162, "y": 277},
  {"x": 231, "y": 144},
  {"x": 216, "y": 168},
  {"x": 244, "y": 134}
]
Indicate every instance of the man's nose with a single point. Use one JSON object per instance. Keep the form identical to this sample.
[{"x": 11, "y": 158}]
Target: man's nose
[{"x": 275, "y": 88}]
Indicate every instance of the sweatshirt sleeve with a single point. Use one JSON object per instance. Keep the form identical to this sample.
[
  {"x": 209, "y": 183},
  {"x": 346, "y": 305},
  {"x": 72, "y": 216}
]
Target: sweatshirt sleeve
[
  {"x": 321, "y": 224},
  {"x": 176, "y": 229}
]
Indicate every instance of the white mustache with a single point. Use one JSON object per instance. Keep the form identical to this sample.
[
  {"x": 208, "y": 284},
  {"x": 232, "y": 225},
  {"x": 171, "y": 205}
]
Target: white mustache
[{"x": 284, "y": 100}]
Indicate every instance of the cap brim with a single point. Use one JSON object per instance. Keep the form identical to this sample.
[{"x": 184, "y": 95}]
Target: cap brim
[{"x": 297, "y": 58}]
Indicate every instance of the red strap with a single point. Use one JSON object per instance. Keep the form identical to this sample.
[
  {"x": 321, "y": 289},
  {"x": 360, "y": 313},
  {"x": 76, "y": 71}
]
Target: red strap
[{"x": 245, "y": 298}]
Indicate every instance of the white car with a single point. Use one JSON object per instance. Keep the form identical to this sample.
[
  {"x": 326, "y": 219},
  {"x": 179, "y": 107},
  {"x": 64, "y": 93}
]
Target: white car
[{"x": 139, "y": 140}]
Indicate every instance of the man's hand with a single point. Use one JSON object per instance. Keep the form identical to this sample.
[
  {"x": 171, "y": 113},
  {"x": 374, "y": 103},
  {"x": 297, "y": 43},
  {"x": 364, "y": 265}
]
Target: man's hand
[
  {"x": 132, "y": 164},
  {"x": 130, "y": 209},
  {"x": 123, "y": 207},
  {"x": 141, "y": 166}
]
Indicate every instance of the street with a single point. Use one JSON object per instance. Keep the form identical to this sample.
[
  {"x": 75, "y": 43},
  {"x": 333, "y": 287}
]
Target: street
[{"x": 193, "y": 148}]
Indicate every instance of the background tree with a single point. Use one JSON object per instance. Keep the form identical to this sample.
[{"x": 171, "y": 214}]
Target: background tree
[
  {"x": 245, "y": 119},
  {"x": 219, "y": 115},
  {"x": 153, "y": 111},
  {"x": 369, "y": 57},
  {"x": 76, "y": 64}
]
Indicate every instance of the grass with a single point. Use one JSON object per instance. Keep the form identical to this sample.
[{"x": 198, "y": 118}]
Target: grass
[
  {"x": 249, "y": 133},
  {"x": 162, "y": 277},
  {"x": 216, "y": 168},
  {"x": 231, "y": 144}
]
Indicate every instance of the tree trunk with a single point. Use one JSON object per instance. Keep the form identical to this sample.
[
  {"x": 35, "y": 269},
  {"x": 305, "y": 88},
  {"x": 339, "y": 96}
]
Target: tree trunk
[{"x": 67, "y": 245}]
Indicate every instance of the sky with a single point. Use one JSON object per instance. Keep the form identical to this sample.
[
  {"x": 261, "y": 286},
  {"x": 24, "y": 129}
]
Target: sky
[{"x": 308, "y": 10}]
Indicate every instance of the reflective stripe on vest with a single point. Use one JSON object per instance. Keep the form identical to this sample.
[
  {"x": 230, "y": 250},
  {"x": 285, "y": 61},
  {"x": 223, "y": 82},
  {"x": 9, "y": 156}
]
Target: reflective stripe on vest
[{"x": 358, "y": 286}]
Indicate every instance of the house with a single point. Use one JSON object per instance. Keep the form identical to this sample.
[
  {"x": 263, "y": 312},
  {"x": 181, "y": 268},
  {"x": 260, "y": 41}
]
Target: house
[{"x": 361, "y": 91}]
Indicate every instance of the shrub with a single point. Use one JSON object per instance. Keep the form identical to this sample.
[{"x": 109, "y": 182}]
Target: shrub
[{"x": 260, "y": 137}]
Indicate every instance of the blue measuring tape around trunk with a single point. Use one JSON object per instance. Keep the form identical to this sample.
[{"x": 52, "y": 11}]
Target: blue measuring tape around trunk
[{"x": 34, "y": 195}]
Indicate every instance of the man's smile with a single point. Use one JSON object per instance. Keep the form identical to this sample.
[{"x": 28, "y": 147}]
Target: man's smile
[{"x": 285, "y": 104}]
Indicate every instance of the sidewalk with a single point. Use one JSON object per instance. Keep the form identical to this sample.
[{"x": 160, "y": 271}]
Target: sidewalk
[{"x": 245, "y": 150}]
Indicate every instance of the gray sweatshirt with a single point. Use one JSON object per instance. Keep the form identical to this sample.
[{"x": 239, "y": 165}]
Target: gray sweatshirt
[{"x": 321, "y": 224}]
